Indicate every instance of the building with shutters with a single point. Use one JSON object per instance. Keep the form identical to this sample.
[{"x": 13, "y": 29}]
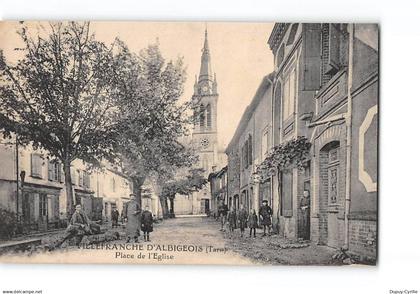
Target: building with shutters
[
  {"x": 325, "y": 88},
  {"x": 218, "y": 189},
  {"x": 32, "y": 184},
  {"x": 113, "y": 187},
  {"x": 249, "y": 146}
]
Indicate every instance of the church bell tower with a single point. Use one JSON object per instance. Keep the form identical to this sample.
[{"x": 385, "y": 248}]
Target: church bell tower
[{"x": 205, "y": 111}]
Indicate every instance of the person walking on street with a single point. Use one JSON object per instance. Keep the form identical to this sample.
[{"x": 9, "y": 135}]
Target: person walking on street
[
  {"x": 252, "y": 222},
  {"x": 242, "y": 219},
  {"x": 231, "y": 218},
  {"x": 115, "y": 214},
  {"x": 131, "y": 213},
  {"x": 146, "y": 223},
  {"x": 265, "y": 214}
]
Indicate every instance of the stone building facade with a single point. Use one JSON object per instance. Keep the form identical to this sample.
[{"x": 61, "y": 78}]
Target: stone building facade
[
  {"x": 32, "y": 185},
  {"x": 113, "y": 187},
  {"x": 218, "y": 188},
  {"x": 249, "y": 146}
]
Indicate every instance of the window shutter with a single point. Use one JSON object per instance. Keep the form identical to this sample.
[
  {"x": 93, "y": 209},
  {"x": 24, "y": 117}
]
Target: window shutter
[
  {"x": 287, "y": 193},
  {"x": 50, "y": 171},
  {"x": 87, "y": 180},
  {"x": 312, "y": 53},
  {"x": 33, "y": 170},
  {"x": 292, "y": 94},
  {"x": 243, "y": 157},
  {"x": 250, "y": 150},
  {"x": 246, "y": 154},
  {"x": 36, "y": 165},
  {"x": 334, "y": 46},
  {"x": 80, "y": 176}
]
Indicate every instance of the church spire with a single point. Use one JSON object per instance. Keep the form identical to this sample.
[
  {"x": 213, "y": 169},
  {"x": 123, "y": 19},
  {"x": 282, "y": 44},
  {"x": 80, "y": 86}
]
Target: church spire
[{"x": 205, "y": 68}]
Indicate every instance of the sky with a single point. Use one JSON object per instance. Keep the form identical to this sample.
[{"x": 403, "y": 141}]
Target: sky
[{"x": 240, "y": 56}]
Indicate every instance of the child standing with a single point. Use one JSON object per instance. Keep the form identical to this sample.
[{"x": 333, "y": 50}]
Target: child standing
[
  {"x": 231, "y": 218},
  {"x": 252, "y": 222},
  {"x": 242, "y": 219}
]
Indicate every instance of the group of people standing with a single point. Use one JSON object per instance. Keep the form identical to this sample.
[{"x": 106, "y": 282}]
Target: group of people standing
[
  {"x": 137, "y": 220},
  {"x": 244, "y": 219}
]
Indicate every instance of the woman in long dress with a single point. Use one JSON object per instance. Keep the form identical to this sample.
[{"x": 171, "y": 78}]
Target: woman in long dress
[{"x": 131, "y": 212}]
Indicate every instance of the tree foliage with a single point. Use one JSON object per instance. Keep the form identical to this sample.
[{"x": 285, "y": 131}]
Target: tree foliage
[
  {"x": 184, "y": 184},
  {"x": 291, "y": 154},
  {"x": 59, "y": 95},
  {"x": 194, "y": 181},
  {"x": 151, "y": 120},
  {"x": 78, "y": 98}
]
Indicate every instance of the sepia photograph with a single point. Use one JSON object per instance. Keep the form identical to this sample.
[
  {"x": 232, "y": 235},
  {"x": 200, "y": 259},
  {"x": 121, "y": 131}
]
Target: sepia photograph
[{"x": 189, "y": 142}]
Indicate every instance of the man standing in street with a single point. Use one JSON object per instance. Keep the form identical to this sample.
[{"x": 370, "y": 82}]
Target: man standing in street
[
  {"x": 223, "y": 211},
  {"x": 242, "y": 219},
  {"x": 231, "y": 218},
  {"x": 265, "y": 214},
  {"x": 146, "y": 223},
  {"x": 131, "y": 213}
]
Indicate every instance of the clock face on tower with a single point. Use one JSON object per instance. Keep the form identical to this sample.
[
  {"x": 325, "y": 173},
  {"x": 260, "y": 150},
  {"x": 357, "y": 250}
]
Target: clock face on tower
[
  {"x": 205, "y": 89},
  {"x": 204, "y": 142}
]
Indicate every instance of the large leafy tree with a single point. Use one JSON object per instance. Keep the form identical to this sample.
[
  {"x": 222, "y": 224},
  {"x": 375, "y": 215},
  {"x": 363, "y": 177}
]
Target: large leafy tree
[
  {"x": 192, "y": 181},
  {"x": 151, "y": 118},
  {"x": 58, "y": 96}
]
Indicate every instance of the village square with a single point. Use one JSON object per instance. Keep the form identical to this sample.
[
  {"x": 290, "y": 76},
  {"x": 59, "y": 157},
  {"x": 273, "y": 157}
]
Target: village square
[{"x": 106, "y": 146}]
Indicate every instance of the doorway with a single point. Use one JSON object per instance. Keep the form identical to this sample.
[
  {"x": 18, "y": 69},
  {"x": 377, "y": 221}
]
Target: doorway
[
  {"x": 304, "y": 225},
  {"x": 329, "y": 193},
  {"x": 205, "y": 206}
]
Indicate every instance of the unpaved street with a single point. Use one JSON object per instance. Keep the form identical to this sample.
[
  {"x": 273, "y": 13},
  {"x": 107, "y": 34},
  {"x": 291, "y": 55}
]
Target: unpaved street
[
  {"x": 192, "y": 240},
  {"x": 188, "y": 240}
]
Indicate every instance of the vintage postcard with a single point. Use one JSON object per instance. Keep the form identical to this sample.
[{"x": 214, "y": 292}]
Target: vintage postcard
[{"x": 189, "y": 143}]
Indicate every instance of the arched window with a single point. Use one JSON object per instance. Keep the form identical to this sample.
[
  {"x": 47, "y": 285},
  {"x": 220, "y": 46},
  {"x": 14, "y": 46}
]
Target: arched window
[
  {"x": 202, "y": 115},
  {"x": 196, "y": 116},
  {"x": 205, "y": 162},
  {"x": 208, "y": 112}
]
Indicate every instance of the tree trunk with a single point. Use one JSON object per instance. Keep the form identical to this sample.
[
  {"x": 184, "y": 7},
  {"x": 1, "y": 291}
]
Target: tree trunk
[
  {"x": 137, "y": 191},
  {"x": 171, "y": 207},
  {"x": 164, "y": 204},
  {"x": 137, "y": 184},
  {"x": 69, "y": 189}
]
